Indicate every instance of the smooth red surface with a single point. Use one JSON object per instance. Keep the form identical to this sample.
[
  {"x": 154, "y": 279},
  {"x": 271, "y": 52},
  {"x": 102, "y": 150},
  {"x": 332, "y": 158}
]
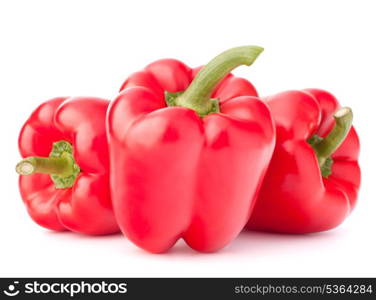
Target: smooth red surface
[
  {"x": 86, "y": 207},
  {"x": 175, "y": 175},
  {"x": 295, "y": 198}
]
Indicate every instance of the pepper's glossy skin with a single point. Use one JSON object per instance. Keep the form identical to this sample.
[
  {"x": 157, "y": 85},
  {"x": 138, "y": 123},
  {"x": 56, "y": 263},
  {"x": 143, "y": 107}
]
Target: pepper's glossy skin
[
  {"x": 295, "y": 198},
  {"x": 86, "y": 206},
  {"x": 176, "y": 175}
]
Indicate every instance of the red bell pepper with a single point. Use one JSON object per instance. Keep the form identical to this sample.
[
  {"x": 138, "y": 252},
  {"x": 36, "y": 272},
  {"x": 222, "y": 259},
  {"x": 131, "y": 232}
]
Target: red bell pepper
[
  {"x": 64, "y": 142},
  {"x": 314, "y": 177},
  {"x": 182, "y": 148}
]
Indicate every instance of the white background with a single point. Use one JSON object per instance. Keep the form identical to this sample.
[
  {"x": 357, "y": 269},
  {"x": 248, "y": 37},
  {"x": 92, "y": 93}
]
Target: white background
[{"x": 51, "y": 48}]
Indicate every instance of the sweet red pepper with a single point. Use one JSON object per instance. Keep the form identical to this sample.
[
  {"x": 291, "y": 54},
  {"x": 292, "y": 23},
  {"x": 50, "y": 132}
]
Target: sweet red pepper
[
  {"x": 66, "y": 158},
  {"x": 313, "y": 179},
  {"x": 183, "y": 146}
]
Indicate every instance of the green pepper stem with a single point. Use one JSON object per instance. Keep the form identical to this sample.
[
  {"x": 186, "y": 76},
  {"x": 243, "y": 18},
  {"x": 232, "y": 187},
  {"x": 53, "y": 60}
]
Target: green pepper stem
[
  {"x": 60, "y": 165},
  {"x": 197, "y": 95},
  {"x": 328, "y": 145},
  {"x": 46, "y": 165}
]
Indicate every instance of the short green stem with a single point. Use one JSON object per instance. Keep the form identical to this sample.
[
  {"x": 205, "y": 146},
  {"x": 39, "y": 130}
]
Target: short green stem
[
  {"x": 60, "y": 165},
  {"x": 46, "y": 165},
  {"x": 197, "y": 95},
  {"x": 343, "y": 120},
  {"x": 325, "y": 147}
]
